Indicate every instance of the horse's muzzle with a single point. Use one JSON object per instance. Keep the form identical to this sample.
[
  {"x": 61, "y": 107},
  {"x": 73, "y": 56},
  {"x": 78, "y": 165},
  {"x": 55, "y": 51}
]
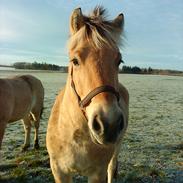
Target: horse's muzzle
[{"x": 105, "y": 131}]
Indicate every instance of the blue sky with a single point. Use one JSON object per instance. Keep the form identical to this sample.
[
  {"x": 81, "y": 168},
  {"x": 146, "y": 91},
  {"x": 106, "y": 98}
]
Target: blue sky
[{"x": 37, "y": 30}]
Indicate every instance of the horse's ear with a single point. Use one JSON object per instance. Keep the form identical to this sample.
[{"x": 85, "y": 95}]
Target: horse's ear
[
  {"x": 76, "y": 21},
  {"x": 119, "y": 21}
]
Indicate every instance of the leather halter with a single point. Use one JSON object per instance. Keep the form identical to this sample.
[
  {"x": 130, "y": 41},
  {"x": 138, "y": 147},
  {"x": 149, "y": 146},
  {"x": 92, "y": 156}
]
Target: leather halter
[{"x": 86, "y": 100}]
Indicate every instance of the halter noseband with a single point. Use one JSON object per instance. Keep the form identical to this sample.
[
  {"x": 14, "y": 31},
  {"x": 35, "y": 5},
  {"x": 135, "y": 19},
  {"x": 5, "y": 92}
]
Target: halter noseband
[{"x": 84, "y": 102}]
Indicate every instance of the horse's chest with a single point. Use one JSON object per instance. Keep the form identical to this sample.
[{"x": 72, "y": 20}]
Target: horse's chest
[
  {"x": 78, "y": 161},
  {"x": 84, "y": 158}
]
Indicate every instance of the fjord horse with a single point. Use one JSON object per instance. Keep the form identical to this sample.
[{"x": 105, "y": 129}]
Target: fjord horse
[
  {"x": 21, "y": 97},
  {"x": 90, "y": 115}
]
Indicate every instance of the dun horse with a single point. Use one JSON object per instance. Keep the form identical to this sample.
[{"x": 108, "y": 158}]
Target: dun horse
[
  {"x": 90, "y": 115},
  {"x": 21, "y": 97}
]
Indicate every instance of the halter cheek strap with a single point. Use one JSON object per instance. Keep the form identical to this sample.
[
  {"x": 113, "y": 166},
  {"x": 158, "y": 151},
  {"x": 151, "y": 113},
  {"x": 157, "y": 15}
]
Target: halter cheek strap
[{"x": 84, "y": 102}]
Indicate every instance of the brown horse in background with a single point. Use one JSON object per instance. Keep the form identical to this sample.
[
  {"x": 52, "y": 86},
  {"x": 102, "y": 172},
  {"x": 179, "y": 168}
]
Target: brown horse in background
[
  {"x": 90, "y": 115},
  {"x": 21, "y": 97}
]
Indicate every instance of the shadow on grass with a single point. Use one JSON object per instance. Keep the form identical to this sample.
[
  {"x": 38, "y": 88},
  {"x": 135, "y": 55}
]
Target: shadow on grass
[
  {"x": 31, "y": 167},
  {"x": 7, "y": 167},
  {"x": 26, "y": 176}
]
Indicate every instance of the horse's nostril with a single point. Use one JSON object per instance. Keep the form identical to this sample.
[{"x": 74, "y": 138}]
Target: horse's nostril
[{"x": 96, "y": 125}]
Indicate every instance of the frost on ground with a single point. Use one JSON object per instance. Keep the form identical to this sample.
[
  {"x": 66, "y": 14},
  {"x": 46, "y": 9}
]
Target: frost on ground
[{"x": 152, "y": 150}]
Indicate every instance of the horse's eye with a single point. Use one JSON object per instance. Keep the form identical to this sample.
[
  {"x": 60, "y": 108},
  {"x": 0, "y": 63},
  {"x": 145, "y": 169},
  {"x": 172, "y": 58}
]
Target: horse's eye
[{"x": 75, "y": 62}]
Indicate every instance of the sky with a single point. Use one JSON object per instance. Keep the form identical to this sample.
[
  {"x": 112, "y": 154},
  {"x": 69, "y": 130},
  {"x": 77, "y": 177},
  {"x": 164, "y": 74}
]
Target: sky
[{"x": 38, "y": 30}]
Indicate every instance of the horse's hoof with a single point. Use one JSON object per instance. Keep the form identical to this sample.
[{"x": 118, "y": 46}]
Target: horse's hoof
[{"x": 36, "y": 146}]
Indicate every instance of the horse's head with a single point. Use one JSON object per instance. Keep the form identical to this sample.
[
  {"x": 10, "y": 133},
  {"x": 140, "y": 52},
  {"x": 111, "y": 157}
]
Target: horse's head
[{"x": 94, "y": 60}]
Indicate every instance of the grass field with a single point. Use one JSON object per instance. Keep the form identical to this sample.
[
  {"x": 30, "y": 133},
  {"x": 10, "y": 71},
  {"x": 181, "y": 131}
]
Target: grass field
[{"x": 153, "y": 146}]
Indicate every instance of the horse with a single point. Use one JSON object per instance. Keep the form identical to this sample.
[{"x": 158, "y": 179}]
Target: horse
[
  {"x": 21, "y": 97},
  {"x": 90, "y": 115}
]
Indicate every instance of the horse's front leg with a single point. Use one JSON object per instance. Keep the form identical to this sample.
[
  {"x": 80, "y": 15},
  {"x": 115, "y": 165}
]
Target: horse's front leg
[
  {"x": 59, "y": 176},
  {"x": 112, "y": 169},
  {"x": 2, "y": 130},
  {"x": 27, "y": 128}
]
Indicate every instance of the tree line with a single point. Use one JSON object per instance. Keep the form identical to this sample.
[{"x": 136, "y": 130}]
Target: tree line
[
  {"x": 135, "y": 70},
  {"x": 39, "y": 66},
  {"x": 149, "y": 70},
  {"x": 46, "y": 66},
  {"x": 124, "y": 69}
]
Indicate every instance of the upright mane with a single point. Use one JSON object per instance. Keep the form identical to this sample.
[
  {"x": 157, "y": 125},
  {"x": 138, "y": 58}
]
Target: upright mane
[{"x": 99, "y": 31}]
